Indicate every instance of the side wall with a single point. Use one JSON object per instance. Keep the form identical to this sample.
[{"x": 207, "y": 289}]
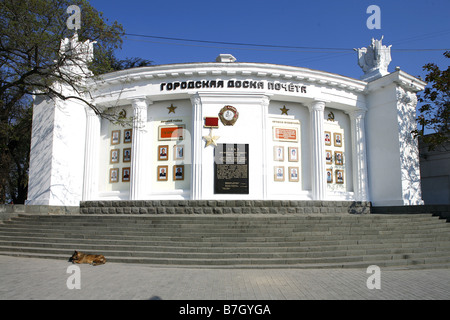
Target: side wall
[
  {"x": 57, "y": 153},
  {"x": 393, "y": 157}
]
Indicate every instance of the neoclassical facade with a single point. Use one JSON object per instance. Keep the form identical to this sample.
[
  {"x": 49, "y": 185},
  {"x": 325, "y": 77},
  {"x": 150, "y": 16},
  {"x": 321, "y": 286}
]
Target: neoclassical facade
[{"x": 231, "y": 130}]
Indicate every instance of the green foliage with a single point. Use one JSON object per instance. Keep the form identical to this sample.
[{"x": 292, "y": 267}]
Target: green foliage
[
  {"x": 434, "y": 113},
  {"x": 30, "y": 63}
]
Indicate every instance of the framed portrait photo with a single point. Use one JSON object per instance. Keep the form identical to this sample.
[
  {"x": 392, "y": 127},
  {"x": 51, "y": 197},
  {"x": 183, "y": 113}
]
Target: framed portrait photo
[
  {"x": 278, "y": 173},
  {"x": 163, "y": 153},
  {"x": 113, "y": 175},
  {"x": 293, "y": 154},
  {"x": 115, "y": 137},
  {"x": 127, "y": 135},
  {"x": 338, "y": 158},
  {"x": 328, "y": 157},
  {"x": 337, "y": 139},
  {"x": 340, "y": 176},
  {"x": 327, "y": 138},
  {"x": 114, "y": 156},
  {"x": 127, "y": 155},
  {"x": 162, "y": 173},
  {"x": 294, "y": 174},
  {"x": 178, "y": 152},
  {"x": 329, "y": 175},
  {"x": 278, "y": 153},
  {"x": 178, "y": 172},
  {"x": 126, "y": 174}
]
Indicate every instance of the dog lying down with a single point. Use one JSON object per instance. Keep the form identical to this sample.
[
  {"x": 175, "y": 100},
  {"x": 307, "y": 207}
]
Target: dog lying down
[{"x": 94, "y": 259}]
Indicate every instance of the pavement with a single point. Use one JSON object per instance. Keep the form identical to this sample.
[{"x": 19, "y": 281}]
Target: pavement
[{"x": 47, "y": 279}]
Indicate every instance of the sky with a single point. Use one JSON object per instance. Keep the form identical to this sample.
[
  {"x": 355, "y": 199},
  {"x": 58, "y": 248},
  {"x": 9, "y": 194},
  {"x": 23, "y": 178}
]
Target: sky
[{"x": 323, "y": 32}]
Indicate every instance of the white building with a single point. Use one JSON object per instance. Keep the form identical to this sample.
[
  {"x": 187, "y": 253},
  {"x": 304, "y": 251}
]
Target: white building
[{"x": 232, "y": 130}]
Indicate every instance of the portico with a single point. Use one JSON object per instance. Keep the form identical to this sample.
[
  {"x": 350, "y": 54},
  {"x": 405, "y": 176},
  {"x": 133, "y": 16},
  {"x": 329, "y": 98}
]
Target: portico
[{"x": 283, "y": 133}]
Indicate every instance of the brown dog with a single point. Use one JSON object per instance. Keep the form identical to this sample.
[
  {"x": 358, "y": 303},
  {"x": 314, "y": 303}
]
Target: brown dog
[{"x": 94, "y": 259}]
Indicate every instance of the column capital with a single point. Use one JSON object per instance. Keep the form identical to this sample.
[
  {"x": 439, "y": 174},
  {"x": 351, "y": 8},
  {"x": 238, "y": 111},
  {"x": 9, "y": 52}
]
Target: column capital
[
  {"x": 92, "y": 109},
  {"x": 317, "y": 105},
  {"x": 357, "y": 113},
  {"x": 140, "y": 102},
  {"x": 195, "y": 99},
  {"x": 265, "y": 100}
]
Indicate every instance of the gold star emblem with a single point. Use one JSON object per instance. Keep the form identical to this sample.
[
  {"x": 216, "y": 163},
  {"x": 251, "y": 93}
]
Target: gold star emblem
[
  {"x": 210, "y": 139},
  {"x": 171, "y": 108},
  {"x": 284, "y": 110}
]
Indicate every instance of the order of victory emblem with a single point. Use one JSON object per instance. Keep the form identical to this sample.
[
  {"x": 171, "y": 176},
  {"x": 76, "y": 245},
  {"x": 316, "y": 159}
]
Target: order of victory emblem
[{"x": 228, "y": 115}]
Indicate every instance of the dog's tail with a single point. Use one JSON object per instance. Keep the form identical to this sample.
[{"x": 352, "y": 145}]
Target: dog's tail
[{"x": 99, "y": 260}]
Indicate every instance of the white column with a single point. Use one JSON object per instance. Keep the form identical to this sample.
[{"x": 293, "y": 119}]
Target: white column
[
  {"x": 90, "y": 175},
  {"x": 196, "y": 145},
  {"x": 138, "y": 165},
  {"x": 265, "y": 118},
  {"x": 318, "y": 177},
  {"x": 358, "y": 132}
]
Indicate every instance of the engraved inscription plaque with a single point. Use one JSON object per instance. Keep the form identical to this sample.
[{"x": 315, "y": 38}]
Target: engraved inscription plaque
[{"x": 231, "y": 169}]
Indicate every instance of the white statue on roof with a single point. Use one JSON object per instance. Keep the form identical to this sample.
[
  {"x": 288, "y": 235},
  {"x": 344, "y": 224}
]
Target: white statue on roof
[{"x": 374, "y": 60}]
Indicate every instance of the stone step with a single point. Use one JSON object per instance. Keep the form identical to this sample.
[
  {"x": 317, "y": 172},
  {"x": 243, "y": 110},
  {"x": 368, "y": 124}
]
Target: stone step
[
  {"x": 158, "y": 220},
  {"x": 193, "y": 228},
  {"x": 326, "y": 255},
  {"x": 113, "y": 251},
  {"x": 279, "y": 250},
  {"x": 437, "y": 241},
  {"x": 348, "y": 262},
  {"x": 234, "y": 240},
  {"x": 429, "y": 263}
]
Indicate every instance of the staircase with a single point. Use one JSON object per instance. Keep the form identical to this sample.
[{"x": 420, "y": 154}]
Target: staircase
[{"x": 236, "y": 240}]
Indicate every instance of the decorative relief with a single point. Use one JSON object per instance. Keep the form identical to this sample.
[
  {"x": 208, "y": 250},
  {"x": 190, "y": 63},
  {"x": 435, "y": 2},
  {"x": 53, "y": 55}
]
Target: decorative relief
[
  {"x": 228, "y": 115},
  {"x": 406, "y": 97},
  {"x": 374, "y": 59}
]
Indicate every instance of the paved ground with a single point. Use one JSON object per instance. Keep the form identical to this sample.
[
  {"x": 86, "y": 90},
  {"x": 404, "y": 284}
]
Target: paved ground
[{"x": 29, "y": 278}]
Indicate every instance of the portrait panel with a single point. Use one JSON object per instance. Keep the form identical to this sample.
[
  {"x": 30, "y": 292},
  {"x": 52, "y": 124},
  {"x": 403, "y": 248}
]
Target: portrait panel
[
  {"x": 127, "y": 155},
  {"x": 328, "y": 157},
  {"x": 162, "y": 173},
  {"x": 114, "y": 156},
  {"x": 340, "y": 176},
  {"x": 338, "y": 158},
  {"x": 279, "y": 173},
  {"x": 329, "y": 175},
  {"x": 294, "y": 174},
  {"x": 327, "y": 138},
  {"x": 163, "y": 152},
  {"x": 293, "y": 154},
  {"x": 178, "y": 172},
  {"x": 337, "y": 139},
  {"x": 126, "y": 174},
  {"x": 115, "y": 137},
  {"x": 178, "y": 152},
  {"x": 113, "y": 175},
  {"x": 278, "y": 153},
  {"x": 127, "y": 135}
]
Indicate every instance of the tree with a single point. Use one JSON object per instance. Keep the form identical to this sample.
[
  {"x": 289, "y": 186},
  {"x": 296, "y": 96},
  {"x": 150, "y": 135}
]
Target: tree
[
  {"x": 31, "y": 62},
  {"x": 434, "y": 113}
]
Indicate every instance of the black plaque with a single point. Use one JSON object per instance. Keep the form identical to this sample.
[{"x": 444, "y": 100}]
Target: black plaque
[{"x": 231, "y": 169}]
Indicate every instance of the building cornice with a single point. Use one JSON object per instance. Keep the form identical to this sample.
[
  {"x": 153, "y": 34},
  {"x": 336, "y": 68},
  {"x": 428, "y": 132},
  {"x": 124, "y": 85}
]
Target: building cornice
[
  {"x": 230, "y": 70},
  {"x": 399, "y": 78}
]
